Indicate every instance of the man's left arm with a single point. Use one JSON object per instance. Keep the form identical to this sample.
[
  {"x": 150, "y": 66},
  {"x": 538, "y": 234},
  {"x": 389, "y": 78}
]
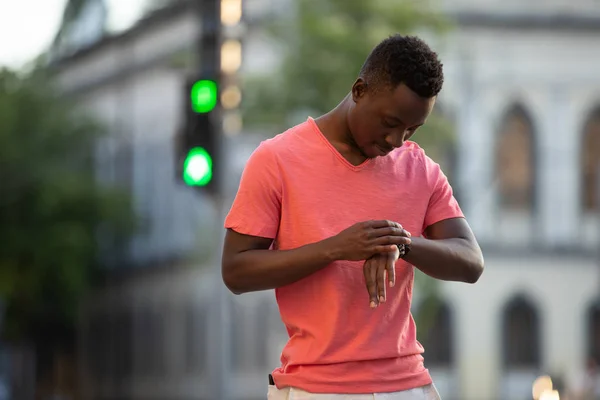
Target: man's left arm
[{"x": 449, "y": 251}]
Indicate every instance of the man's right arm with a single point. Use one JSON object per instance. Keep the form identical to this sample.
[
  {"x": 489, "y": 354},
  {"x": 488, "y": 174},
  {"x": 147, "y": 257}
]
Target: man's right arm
[{"x": 248, "y": 265}]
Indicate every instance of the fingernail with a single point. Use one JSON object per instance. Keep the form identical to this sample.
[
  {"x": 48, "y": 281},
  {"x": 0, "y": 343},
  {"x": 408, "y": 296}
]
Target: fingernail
[
  {"x": 392, "y": 284},
  {"x": 381, "y": 299},
  {"x": 409, "y": 235},
  {"x": 373, "y": 305}
]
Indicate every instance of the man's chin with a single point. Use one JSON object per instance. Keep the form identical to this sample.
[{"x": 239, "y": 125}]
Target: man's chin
[
  {"x": 376, "y": 151},
  {"x": 367, "y": 153},
  {"x": 372, "y": 152}
]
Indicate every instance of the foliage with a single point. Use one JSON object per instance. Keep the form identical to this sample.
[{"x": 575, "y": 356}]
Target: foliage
[
  {"x": 50, "y": 206},
  {"x": 323, "y": 45}
]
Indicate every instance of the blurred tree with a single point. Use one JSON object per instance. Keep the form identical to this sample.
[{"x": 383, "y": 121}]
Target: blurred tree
[
  {"x": 323, "y": 45},
  {"x": 51, "y": 209}
]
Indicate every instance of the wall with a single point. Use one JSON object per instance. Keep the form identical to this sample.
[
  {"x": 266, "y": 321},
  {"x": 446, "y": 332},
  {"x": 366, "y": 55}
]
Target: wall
[{"x": 488, "y": 71}]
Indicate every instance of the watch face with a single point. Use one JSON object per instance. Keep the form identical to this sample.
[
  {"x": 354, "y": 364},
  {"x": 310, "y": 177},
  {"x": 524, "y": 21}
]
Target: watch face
[{"x": 402, "y": 249}]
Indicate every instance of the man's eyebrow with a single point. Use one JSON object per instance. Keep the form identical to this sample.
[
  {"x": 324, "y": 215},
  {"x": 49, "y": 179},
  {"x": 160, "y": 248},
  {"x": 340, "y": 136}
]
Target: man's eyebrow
[
  {"x": 399, "y": 121},
  {"x": 392, "y": 117}
]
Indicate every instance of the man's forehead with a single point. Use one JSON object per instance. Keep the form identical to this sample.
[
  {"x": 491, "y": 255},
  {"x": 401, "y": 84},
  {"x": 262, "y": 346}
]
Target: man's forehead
[{"x": 404, "y": 105}]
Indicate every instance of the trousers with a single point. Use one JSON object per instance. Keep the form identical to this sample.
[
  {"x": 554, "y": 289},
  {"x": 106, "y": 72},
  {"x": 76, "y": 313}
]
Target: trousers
[{"x": 428, "y": 392}]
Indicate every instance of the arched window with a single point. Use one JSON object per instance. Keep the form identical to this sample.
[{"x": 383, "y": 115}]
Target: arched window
[
  {"x": 438, "y": 340},
  {"x": 521, "y": 335},
  {"x": 590, "y": 162},
  {"x": 515, "y": 163}
]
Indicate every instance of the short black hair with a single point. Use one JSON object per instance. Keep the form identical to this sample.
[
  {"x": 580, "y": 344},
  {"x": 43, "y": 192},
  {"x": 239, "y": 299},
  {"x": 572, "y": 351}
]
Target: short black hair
[{"x": 405, "y": 59}]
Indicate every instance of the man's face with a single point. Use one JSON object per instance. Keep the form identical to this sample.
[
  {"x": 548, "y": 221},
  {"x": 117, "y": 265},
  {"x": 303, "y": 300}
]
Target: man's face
[{"x": 384, "y": 119}]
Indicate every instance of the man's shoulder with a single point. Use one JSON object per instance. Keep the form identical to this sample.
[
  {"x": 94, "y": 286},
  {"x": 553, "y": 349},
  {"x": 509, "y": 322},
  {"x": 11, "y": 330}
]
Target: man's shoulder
[
  {"x": 410, "y": 153},
  {"x": 286, "y": 141},
  {"x": 412, "y": 160}
]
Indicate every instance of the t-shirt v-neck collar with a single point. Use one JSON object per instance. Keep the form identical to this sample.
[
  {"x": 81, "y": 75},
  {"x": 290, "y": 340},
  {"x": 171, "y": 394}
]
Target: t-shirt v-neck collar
[{"x": 339, "y": 156}]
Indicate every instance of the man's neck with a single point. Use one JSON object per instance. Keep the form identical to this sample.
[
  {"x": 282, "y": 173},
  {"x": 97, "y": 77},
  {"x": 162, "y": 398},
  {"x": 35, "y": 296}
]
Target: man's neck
[{"x": 334, "y": 126}]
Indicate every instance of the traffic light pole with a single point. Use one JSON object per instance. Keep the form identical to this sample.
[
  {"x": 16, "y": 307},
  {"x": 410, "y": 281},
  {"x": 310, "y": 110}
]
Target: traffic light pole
[
  {"x": 209, "y": 52},
  {"x": 598, "y": 222}
]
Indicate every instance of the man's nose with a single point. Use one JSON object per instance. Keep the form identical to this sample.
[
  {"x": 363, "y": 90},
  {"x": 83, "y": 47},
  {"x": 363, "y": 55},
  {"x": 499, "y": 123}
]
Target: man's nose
[{"x": 395, "y": 139}]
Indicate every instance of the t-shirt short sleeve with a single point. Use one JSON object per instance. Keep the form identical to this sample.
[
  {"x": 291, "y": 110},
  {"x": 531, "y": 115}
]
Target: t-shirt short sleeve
[
  {"x": 442, "y": 203},
  {"x": 256, "y": 209}
]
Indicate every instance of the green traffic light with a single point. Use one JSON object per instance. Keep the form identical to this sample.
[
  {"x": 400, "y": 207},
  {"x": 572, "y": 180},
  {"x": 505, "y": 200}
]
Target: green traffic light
[
  {"x": 204, "y": 96},
  {"x": 197, "y": 167}
]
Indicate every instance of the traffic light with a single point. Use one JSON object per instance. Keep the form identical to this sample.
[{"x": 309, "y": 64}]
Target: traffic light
[
  {"x": 204, "y": 96},
  {"x": 197, "y": 167},
  {"x": 213, "y": 97},
  {"x": 198, "y": 144}
]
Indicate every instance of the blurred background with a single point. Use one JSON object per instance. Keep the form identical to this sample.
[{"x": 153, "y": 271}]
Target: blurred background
[{"x": 111, "y": 222}]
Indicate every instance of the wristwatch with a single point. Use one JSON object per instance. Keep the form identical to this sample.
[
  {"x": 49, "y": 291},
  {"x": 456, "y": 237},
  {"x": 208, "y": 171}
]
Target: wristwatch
[{"x": 404, "y": 249}]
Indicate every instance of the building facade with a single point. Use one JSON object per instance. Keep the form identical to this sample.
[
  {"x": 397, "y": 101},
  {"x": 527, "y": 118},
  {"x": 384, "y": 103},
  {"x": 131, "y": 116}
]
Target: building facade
[
  {"x": 525, "y": 96},
  {"x": 523, "y": 90}
]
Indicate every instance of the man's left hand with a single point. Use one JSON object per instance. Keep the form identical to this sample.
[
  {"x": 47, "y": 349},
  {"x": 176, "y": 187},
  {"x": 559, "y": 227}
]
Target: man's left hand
[{"x": 375, "y": 270}]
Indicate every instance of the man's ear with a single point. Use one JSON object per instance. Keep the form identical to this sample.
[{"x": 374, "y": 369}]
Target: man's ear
[{"x": 359, "y": 89}]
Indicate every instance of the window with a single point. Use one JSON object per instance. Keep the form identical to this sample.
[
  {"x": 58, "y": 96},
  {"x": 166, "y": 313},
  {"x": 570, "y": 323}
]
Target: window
[
  {"x": 122, "y": 329},
  {"x": 515, "y": 167},
  {"x": 593, "y": 328},
  {"x": 150, "y": 343},
  {"x": 240, "y": 331},
  {"x": 590, "y": 162},
  {"x": 98, "y": 346},
  {"x": 196, "y": 337},
  {"x": 521, "y": 335},
  {"x": 266, "y": 318},
  {"x": 438, "y": 339}
]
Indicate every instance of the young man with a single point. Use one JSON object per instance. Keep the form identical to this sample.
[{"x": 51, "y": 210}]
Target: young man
[{"x": 325, "y": 212}]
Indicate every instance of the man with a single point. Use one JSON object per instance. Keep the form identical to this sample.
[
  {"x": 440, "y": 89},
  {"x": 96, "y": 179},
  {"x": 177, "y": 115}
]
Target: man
[{"x": 327, "y": 208}]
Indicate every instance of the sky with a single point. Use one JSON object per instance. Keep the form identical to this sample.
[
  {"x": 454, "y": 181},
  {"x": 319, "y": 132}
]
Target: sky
[{"x": 27, "y": 27}]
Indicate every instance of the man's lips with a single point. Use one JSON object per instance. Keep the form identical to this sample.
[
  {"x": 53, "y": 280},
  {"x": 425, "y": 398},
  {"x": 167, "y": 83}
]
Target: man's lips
[{"x": 384, "y": 150}]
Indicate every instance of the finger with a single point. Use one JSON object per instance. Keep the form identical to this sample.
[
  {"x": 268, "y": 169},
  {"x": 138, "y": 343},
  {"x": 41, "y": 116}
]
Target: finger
[
  {"x": 388, "y": 240},
  {"x": 374, "y": 300},
  {"x": 380, "y": 276},
  {"x": 389, "y": 231},
  {"x": 386, "y": 232},
  {"x": 369, "y": 274},
  {"x": 391, "y": 271},
  {"x": 383, "y": 224},
  {"x": 390, "y": 248}
]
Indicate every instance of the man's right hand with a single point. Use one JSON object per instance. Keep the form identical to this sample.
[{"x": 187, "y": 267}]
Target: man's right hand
[{"x": 363, "y": 240}]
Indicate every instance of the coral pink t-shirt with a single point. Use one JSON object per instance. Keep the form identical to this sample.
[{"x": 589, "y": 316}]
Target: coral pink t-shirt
[{"x": 298, "y": 189}]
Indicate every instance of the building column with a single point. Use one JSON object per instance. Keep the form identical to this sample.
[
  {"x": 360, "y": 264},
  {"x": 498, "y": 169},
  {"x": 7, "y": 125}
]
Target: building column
[
  {"x": 557, "y": 165},
  {"x": 476, "y": 141},
  {"x": 477, "y": 335}
]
